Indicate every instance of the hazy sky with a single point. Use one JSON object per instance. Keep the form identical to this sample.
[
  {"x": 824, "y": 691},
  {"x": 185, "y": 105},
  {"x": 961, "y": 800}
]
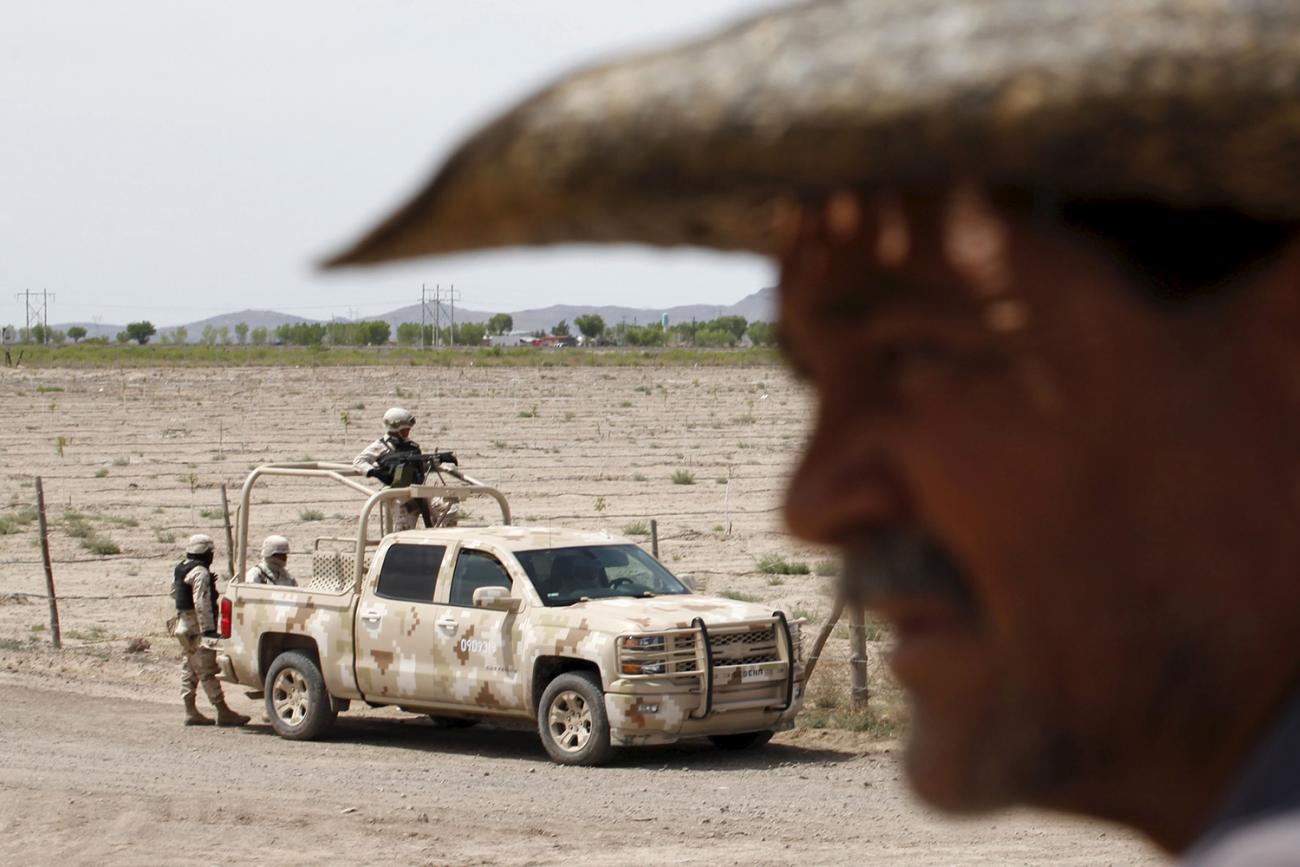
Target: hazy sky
[{"x": 172, "y": 160}]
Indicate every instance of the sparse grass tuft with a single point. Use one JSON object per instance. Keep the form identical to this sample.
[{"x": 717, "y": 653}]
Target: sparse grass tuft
[
  {"x": 101, "y": 545},
  {"x": 775, "y": 564},
  {"x": 101, "y": 473},
  {"x": 311, "y": 515},
  {"x": 46, "y": 389},
  {"x": 211, "y": 513},
  {"x": 826, "y": 568},
  {"x": 636, "y": 528},
  {"x": 625, "y": 404},
  {"x": 829, "y": 704},
  {"x": 639, "y": 477},
  {"x": 77, "y": 526},
  {"x": 775, "y": 580},
  {"x": 14, "y": 521},
  {"x": 498, "y": 444},
  {"x": 531, "y": 412},
  {"x": 739, "y": 596},
  {"x": 165, "y": 537},
  {"x": 683, "y": 477}
]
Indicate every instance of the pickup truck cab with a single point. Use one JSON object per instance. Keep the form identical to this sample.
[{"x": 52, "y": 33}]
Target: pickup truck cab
[{"x": 583, "y": 633}]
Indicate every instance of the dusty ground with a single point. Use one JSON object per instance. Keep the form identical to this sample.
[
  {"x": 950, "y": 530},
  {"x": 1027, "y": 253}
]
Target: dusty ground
[{"x": 95, "y": 768}]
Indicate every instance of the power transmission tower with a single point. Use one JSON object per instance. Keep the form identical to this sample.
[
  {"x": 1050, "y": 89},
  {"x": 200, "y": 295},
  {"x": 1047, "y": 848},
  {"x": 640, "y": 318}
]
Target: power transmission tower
[
  {"x": 434, "y": 310},
  {"x": 38, "y": 312}
]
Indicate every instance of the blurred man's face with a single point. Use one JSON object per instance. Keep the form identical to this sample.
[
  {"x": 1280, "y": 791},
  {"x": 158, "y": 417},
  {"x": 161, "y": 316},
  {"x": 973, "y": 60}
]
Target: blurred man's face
[{"x": 1048, "y": 487}]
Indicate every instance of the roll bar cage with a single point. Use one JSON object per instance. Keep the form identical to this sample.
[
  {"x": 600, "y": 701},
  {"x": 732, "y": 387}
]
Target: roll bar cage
[{"x": 348, "y": 476}]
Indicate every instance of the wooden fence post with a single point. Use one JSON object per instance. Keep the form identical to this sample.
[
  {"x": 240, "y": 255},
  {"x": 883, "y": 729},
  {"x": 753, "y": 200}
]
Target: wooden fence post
[
  {"x": 230, "y": 536},
  {"x": 810, "y": 664},
  {"x": 49, "y": 571},
  {"x": 858, "y": 654},
  {"x": 654, "y": 538}
]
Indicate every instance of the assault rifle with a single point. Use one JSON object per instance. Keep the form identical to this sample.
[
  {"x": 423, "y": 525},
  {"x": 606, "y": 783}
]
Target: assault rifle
[{"x": 403, "y": 469}]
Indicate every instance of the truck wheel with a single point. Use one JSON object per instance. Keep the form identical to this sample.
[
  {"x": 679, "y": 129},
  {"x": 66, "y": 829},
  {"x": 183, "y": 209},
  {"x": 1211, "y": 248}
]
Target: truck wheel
[
  {"x": 742, "y": 741},
  {"x": 452, "y": 722},
  {"x": 297, "y": 703},
  {"x": 572, "y": 722}
]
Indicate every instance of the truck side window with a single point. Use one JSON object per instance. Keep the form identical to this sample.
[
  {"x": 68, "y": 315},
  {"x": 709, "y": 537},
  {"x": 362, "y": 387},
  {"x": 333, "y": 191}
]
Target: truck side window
[
  {"x": 475, "y": 569},
  {"x": 408, "y": 572}
]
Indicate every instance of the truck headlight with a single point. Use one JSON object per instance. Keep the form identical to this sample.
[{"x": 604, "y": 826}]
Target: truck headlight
[
  {"x": 642, "y": 654},
  {"x": 643, "y": 642}
]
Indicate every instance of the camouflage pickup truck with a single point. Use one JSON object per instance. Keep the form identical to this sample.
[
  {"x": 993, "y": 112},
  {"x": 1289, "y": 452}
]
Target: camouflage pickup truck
[{"x": 582, "y": 633}]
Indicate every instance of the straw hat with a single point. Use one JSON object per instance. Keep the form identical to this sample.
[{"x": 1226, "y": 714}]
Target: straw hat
[{"x": 1190, "y": 102}]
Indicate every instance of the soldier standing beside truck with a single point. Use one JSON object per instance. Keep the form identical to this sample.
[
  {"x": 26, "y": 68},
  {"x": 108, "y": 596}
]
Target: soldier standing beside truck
[{"x": 194, "y": 589}]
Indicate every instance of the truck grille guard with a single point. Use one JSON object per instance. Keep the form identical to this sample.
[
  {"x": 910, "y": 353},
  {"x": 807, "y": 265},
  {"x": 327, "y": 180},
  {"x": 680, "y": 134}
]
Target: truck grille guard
[{"x": 693, "y": 653}]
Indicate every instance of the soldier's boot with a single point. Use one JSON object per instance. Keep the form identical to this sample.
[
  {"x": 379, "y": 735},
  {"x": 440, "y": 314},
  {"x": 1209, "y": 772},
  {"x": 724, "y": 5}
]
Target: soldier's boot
[
  {"x": 226, "y": 716},
  {"x": 192, "y": 715}
]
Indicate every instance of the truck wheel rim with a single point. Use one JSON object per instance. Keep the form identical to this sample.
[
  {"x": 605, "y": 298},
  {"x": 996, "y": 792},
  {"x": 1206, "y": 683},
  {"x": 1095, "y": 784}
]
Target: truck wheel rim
[
  {"x": 569, "y": 721},
  {"x": 289, "y": 695}
]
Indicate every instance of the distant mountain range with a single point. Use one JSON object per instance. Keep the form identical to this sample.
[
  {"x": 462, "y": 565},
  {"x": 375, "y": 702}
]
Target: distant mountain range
[{"x": 760, "y": 306}]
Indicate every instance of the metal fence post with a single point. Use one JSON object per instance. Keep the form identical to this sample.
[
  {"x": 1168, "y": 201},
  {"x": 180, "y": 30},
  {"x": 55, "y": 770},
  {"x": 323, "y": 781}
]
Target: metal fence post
[{"x": 49, "y": 571}]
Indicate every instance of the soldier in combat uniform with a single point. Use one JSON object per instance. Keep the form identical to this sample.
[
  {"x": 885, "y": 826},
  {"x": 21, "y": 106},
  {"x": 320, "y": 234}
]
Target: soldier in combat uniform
[
  {"x": 274, "y": 566},
  {"x": 194, "y": 588},
  {"x": 398, "y": 423}
]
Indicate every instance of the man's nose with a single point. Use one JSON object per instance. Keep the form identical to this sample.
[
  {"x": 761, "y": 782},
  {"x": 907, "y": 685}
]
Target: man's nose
[{"x": 845, "y": 485}]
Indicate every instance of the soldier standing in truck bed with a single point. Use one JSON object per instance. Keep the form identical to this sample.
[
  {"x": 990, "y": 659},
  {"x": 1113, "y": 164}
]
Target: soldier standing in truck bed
[
  {"x": 274, "y": 567},
  {"x": 194, "y": 588},
  {"x": 398, "y": 423}
]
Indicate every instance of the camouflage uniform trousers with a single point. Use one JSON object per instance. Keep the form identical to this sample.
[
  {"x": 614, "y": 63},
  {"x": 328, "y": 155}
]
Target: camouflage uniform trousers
[{"x": 198, "y": 663}]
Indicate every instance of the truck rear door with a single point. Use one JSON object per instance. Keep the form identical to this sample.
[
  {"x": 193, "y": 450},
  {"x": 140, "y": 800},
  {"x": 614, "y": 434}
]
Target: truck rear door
[{"x": 396, "y": 624}]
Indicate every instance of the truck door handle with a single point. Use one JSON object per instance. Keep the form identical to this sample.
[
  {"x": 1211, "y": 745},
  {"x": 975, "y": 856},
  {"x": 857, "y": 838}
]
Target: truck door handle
[
  {"x": 448, "y": 622},
  {"x": 372, "y": 616}
]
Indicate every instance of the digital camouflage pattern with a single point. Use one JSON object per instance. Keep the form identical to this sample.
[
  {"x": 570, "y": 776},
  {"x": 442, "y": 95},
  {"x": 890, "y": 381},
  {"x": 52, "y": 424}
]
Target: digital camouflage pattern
[{"x": 436, "y": 657}]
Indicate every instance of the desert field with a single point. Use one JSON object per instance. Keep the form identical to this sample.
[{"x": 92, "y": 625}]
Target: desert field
[{"x": 96, "y": 768}]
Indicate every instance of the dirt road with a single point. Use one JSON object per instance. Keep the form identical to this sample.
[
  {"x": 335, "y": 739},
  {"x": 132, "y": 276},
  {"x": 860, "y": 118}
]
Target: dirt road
[{"x": 97, "y": 777}]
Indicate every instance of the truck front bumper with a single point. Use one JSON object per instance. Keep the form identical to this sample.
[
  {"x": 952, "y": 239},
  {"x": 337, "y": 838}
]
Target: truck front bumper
[{"x": 648, "y": 717}]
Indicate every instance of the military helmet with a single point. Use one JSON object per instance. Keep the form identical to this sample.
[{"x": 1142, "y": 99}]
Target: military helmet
[
  {"x": 275, "y": 545},
  {"x": 397, "y": 418},
  {"x": 200, "y": 543}
]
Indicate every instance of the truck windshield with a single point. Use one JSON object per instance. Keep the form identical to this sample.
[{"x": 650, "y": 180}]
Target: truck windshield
[{"x": 564, "y": 576}]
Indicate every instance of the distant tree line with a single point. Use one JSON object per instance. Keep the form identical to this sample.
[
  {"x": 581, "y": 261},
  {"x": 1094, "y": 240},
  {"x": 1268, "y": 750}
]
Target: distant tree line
[{"x": 724, "y": 331}]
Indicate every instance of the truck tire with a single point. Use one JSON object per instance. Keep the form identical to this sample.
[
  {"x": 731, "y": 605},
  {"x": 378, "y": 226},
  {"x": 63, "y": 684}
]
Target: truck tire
[
  {"x": 742, "y": 741},
  {"x": 572, "y": 722},
  {"x": 297, "y": 702}
]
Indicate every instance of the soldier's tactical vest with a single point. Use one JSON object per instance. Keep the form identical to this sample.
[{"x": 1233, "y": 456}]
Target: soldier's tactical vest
[
  {"x": 181, "y": 591},
  {"x": 405, "y": 475}
]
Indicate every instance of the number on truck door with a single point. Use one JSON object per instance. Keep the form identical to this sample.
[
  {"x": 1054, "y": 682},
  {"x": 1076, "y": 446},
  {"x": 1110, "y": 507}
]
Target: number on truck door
[{"x": 485, "y": 673}]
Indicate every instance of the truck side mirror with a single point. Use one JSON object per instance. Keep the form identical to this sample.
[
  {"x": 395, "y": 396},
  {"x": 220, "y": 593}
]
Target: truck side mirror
[{"x": 496, "y": 598}]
